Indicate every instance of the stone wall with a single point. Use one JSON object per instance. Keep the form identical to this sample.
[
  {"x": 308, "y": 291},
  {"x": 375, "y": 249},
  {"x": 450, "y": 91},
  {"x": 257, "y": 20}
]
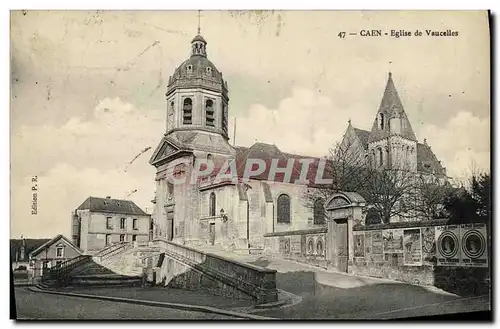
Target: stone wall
[
  {"x": 305, "y": 246},
  {"x": 188, "y": 268},
  {"x": 376, "y": 256}
]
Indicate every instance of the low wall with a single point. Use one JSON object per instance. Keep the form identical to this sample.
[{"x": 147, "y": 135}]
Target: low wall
[
  {"x": 413, "y": 253},
  {"x": 188, "y": 268},
  {"x": 305, "y": 246}
]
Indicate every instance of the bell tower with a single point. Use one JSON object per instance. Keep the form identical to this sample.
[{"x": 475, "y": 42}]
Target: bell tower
[{"x": 392, "y": 142}]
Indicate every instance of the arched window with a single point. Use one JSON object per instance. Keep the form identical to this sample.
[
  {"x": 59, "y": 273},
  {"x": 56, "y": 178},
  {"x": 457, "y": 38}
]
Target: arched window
[
  {"x": 209, "y": 110},
  {"x": 187, "y": 111},
  {"x": 319, "y": 212},
  {"x": 212, "y": 205},
  {"x": 381, "y": 121},
  {"x": 380, "y": 157},
  {"x": 319, "y": 247},
  {"x": 283, "y": 209}
]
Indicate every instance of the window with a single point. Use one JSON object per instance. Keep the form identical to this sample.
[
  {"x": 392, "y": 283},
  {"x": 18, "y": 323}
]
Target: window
[
  {"x": 381, "y": 121},
  {"x": 170, "y": 190},
  {"x": 189, "y": 69},
  {"x": 134, "y": 238},
  {"x": 224, "y": 118},
  {"x": 122, "y": 223},
  {"x": 109, "y": 223},
  {"x": 60, "y": 252},
  {"x": 108, "y": 239},
  {"x": 122, "y": 237},
  {"x": 380, "y": 157},
  {"x": 209, "y": 70},
  {"x": 209, "y": 110},
  {"x": 187, "y": 110},
  {"x": 58, "y": 263},
  {"x": 319, "y": 212},
  {"x": 212, "y": 205},
  {"x": 134, "y": 223},
  {"x": 283, "y": 209}
]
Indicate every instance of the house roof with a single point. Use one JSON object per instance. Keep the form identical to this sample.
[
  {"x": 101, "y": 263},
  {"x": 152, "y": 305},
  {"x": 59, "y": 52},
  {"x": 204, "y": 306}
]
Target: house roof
[
  {"x": 427, "y": 161},
  {"x": 363, "y": 136},
  {"x": 51, "y": 242},
  {"x": 109, "y": 205},
  {"x": 267, "y": 153},
  {"x": 30, "y": 245}
]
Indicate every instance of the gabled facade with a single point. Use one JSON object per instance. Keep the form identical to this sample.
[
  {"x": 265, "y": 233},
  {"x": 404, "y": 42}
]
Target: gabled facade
[{"x": 51, "y": 254}]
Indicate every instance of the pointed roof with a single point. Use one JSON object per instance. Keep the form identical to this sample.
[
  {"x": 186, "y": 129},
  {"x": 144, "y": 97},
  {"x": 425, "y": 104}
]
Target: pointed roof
[
  {"x": 51, "y": 242},
  {"x": 427, "y": 161},
  {"x": 29, "y": 246},
  {"x": 391, "y": 106},
  {"x": 363, "y": 136}
]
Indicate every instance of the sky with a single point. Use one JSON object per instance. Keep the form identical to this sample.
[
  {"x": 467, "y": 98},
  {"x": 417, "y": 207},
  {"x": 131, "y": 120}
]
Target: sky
[{"x": 87, "y": 92}]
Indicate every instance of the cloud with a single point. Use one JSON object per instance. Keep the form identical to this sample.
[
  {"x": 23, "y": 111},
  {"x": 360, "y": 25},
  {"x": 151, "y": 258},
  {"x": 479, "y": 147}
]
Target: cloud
[
  {"x": 81, "y": 158},
  {"x": 308, "y": 123},
  {"x": 64, "y": 188},
  {"x": 463, "y": 143}
]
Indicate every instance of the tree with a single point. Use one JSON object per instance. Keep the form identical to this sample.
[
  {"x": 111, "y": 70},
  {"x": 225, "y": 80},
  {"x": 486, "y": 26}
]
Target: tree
[
  {"x": 471, "y": 204},
  {"x": 346, "y": 166},
  {"x": 389, "y": 192},
  {"x": 430, "y": 196}
]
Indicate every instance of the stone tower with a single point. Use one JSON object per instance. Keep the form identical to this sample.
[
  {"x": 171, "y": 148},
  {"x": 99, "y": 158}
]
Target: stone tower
[
  {"x": 392, "y": 142},
  {"x": 196, "y": 129}
]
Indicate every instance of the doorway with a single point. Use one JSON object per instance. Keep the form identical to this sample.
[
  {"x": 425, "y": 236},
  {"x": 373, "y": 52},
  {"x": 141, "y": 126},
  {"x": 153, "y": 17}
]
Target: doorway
[
  {"x": 338, "y": 253},
  {"x": 342, "y": 245},
  {"x": 212, "y": 233}
]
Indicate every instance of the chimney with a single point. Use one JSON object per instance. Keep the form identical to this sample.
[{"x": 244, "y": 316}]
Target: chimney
[
  {"x": 23, "y": 249},
  {"x": 108, "y": 197}
]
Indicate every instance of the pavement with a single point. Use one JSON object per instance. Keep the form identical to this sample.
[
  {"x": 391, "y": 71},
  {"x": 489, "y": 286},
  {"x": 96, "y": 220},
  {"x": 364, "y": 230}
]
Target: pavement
[
  {"x": 164, "y": 295},
  {"x": 40, "y": 306},
  {"x": 334, "y": 295},
  {"x": 318, "y": 294}
]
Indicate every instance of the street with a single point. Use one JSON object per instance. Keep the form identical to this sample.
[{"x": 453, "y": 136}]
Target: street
[
  {"x": 330, "y": 295},
  {"x": 31, "y": 305}
]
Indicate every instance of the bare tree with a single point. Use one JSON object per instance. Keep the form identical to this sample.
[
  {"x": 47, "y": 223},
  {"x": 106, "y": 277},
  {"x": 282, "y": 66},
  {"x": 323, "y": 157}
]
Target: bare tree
[
  {"x": 346, "y": 165},
  {"x": 390, "y": 192},
  {"x": 430, "y": 196}
]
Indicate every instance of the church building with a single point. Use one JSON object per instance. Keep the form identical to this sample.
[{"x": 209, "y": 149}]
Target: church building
[{"x": 235, "y": 214}]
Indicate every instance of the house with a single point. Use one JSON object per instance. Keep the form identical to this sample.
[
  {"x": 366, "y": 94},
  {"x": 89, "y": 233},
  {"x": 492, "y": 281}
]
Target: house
[
  {"x": 20, "y": 250},
  {"x": 99, "y": 222},
  {"x": 51, "y": 254}
]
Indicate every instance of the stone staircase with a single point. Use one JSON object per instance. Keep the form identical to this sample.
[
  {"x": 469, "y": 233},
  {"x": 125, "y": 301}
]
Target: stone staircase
[{"x": 85, "y": 270}]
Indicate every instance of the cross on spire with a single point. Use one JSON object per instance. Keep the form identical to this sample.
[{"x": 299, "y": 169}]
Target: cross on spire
[{"x": 199, "y": 16}]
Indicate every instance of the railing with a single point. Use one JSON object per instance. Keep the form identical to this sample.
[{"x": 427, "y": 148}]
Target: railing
[
  {"x": 109, "y": 248},
  {"x": 120, "y": 248},
  {"x": 252, "y": 280},
  {"x": 62, "y": 270}
]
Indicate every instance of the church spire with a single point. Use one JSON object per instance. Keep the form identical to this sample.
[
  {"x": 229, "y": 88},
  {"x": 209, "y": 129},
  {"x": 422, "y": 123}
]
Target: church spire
[{"x": 390, "y": 108}]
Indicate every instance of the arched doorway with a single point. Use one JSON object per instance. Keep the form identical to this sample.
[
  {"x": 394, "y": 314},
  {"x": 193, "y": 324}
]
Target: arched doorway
[{"x": 342, "y": 210}]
